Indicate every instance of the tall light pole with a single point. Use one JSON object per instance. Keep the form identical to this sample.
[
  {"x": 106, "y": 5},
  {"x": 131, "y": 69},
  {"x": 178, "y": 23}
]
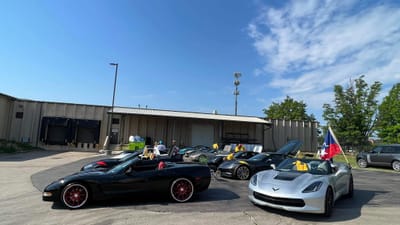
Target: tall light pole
[
  {"x": 112, "y": 106},
  {"x": 236, "y": 92}
]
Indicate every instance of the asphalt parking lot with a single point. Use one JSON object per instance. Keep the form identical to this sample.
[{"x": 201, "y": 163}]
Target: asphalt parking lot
[{"x": 376, "y": 199}]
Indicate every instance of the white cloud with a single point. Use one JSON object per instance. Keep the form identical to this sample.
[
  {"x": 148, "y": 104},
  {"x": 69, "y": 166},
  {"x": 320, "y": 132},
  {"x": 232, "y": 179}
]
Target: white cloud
[{"x": 310, "y": 46}]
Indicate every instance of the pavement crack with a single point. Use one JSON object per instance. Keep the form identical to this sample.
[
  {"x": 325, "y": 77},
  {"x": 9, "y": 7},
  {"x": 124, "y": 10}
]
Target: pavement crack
[{"x": 252, "y": 219}]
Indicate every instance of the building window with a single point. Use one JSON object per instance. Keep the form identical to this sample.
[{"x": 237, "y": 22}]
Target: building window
[
  {"x": 115, "y": 121},
  {"x": 19, "y": 115}
]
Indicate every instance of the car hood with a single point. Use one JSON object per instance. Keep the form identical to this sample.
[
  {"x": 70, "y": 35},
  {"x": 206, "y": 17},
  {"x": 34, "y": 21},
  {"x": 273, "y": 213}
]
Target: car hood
[
  {"x": 232, "y": 163},
  {"x": 292, "y": 147},
  {"x": 286, "y": 182}
]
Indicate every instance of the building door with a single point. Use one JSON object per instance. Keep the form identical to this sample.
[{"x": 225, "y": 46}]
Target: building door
[{"x": 202, "y": 134}]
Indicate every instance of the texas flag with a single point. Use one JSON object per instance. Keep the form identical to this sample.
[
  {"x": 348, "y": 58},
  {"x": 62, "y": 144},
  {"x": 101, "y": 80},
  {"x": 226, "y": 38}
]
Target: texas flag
[{"x": 331, "y": 146}]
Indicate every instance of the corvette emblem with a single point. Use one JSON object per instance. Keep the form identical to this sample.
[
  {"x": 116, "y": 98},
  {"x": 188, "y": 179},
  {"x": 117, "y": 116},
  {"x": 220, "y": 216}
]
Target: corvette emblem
[{"x": 275, "y": 188}]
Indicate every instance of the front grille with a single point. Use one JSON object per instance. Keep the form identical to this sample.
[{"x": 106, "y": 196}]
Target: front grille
[{"x": 279, "y": 201}]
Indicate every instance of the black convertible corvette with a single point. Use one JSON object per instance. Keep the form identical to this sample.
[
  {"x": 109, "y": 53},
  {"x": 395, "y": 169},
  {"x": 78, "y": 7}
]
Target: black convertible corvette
[
  {"x": 180, "y": 181},
  {"x": 244, "y": 169}
]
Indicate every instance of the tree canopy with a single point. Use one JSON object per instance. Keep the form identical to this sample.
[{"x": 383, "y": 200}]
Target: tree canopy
[
  {"x": 388, "y": 122},
  {"x": 353, "y": 114},
  {"x": 289, "y": 109}
]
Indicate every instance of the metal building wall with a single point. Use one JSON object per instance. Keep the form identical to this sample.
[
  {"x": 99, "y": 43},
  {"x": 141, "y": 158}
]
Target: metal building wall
[
  {"x": 27, "y": 128},
  {"x": 157, "y": 128},
  {"x": 6, "y": 104},
  {"x": 282, "y": 131},
  {"x": 180, "y": 129}
]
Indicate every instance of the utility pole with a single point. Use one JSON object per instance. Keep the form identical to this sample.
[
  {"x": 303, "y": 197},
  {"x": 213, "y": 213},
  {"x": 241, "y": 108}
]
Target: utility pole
[{"x": 236, "y": 92}]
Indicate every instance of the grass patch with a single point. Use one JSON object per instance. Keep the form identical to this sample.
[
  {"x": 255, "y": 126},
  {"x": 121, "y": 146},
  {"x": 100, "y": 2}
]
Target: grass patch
[
  {"x": 14, "y": 147},
  {"x": 350, "y": 158}
]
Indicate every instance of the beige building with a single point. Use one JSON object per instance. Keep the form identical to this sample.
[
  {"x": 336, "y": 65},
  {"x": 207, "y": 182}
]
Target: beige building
[{"x": 53, "y": 125}]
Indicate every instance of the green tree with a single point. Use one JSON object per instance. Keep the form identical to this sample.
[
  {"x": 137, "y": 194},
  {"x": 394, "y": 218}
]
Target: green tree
[
  {"x": 289, "y": 109},
  {"x": 353, "y": 115},
  {"x": 388, "y": 124}
]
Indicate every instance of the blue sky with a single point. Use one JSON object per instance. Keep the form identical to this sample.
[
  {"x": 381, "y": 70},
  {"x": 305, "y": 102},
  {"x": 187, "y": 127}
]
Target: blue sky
[{"x": 182, "y": 54}]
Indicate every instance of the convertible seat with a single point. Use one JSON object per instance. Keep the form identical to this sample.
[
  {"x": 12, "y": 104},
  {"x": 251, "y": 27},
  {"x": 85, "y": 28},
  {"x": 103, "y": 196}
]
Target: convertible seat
[{"x": 301, "y": 166}]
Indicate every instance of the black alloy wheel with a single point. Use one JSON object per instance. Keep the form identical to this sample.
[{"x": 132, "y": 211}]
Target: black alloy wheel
[{"x": 328, "y": 202}]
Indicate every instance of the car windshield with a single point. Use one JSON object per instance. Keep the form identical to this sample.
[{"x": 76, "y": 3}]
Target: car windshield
[
  {"x": 122, "y": 166},
  {"x": 258, "y": 157},
  {"x": 238, "y": 154},
  {"x": 122, "y": 155},
  {"x": 313, "y": 166},
  {"x": 129, "y": 155}
]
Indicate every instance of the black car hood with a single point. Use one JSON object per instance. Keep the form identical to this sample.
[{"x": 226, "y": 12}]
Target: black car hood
[{"x": 292, "y": 147}]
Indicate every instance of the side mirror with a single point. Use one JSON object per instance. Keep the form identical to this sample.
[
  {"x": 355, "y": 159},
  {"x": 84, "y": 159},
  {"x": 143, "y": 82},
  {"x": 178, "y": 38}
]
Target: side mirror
[{"x": 273, "y": 166}]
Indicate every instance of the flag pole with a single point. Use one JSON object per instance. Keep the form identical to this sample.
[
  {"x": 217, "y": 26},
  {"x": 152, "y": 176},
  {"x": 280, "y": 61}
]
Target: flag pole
[{"x": 336, "y": 140}]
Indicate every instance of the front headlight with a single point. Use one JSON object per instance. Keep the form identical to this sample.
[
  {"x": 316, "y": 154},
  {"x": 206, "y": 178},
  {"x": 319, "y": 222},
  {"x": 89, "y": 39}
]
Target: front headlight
[
  {"x": 253, "y": 180},
  {"x": 313, "y": 187}
]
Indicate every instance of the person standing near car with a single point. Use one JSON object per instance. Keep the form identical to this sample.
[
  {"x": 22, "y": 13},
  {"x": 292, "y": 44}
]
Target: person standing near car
[
  {"x": 156, "y": 151},
  {"x": 161, "y": 148},
  {"x": 174, "y": 149}
]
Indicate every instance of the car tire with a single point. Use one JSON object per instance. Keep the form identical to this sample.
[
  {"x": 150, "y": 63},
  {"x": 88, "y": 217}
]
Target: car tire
[
  {"x": 351, "y": 188},
  {"x": 362, "y": 163},
  {"x": 329, "y": 202},
  {"x": 396, "y": 165},
  {"x": 75, "y": 195},
  {"x": 181, "y": 190},
  {"x": 243, "y": 172}
]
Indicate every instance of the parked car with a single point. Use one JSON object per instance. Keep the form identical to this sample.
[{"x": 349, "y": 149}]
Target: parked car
[
  {"x": 244, "y": 169},
  {"x": 180, "y": 181},
  {"x": 202, "y": 155},
  {"x": 302, "y": 185},
  {"x": 382, "y": 155},
  {"x": 218, "y": 159}
]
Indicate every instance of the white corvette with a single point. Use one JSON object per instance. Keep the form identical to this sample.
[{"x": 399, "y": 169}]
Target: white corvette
[{"x": 302, "y": 185}]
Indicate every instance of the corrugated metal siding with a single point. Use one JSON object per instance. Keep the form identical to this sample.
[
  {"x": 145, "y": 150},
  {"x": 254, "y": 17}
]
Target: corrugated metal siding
[
  {"x": 27, "y": 128},
  {"x": 282, "y": 131},
  {"x": 6, "y": 103}
]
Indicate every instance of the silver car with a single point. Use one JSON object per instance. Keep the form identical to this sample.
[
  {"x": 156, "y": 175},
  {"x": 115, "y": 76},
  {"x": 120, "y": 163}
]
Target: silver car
[{"x": 302, "y": 185}]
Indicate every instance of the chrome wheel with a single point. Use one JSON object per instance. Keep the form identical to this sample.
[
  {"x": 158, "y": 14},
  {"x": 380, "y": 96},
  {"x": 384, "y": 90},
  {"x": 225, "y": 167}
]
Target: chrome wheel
[
  {"x": 396, "y": 165},
  {"x": 74, "y": 195},
  {"x": 182, "y": 190},
  {"x": 243, "y": 172},
  {"x": 362, "y": 163}
]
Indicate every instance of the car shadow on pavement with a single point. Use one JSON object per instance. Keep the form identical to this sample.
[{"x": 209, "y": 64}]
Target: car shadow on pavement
[
  {"x": 345, "y": 208},
  {"x": 160, "y": 202},
  {"x": 26, "y": 156}
]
